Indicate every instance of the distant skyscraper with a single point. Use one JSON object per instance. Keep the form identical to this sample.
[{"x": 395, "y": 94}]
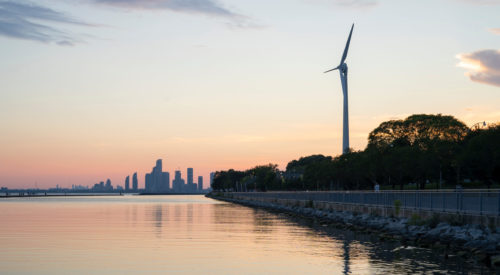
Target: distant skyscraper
[
  {"x": 127, "y": 183},
  {"x": 191, "y": 187},
  {"x": 159, "y": 165},
  {"x": 165, "y": 182},
  {"x": 190, "y": 176},
  {"x": 135, "y": 183},
  {"x": 108, "y": 186},
  {"x": 157, "y": 181},
  {"x": 148, "y": 181},
  {"x": 178, "y": 183},
  {"x": 200, "y": 183},
  {"x": 212, "y": 178}
]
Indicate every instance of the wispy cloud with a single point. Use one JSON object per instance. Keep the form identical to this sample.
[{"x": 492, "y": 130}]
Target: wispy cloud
[
  {"x": 495, "y": 31},
  {"x": 24, "y": 20},
  {"x": 356, "y": 3},
  {"x": 208, "y": 7},
  {"x": 483, "y": 65},
  {"x": 348, "y": 4},
  {"x": 481, "y": 2},
  {"x": 204, "y": 7}
]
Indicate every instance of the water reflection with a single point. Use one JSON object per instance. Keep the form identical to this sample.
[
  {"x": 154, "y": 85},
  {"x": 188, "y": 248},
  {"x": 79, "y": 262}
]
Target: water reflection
[
  {"x": 158, "y": 219},
  {"x": 190, "y": 234},
  {"x": 346, "y": 256}
]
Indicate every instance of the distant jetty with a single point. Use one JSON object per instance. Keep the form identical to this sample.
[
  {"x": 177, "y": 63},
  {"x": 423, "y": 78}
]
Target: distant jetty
[
  {"x": 49, "y": 194},
  {"x": 172, "y": 193}
]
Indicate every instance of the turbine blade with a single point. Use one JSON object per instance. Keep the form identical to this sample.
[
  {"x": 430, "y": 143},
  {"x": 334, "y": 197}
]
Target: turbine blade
[
  {"x": 336, "y": 68},
  {"x": 344, "y": 56}
]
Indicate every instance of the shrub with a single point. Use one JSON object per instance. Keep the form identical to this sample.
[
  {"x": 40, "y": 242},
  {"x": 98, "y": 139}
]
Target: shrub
[
  {"x": 456, "y": 220},
  {"x": 492, "y": 225},
  {"x": 433, "y": 221},
  {"x": 415, "y": 219},
  {"x": 397, "y": 207}
]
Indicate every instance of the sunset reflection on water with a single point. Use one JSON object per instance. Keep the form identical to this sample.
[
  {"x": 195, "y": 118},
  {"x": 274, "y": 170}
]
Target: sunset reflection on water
[{"x": 180, "y": 234}]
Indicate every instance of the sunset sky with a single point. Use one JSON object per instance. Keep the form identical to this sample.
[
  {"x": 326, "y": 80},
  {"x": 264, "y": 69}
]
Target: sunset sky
[{"x": 96, "y": 89}]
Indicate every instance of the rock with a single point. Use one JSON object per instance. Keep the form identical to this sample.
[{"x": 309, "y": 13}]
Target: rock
[
  {"x": 396, "y": 227},
  {"x": 495, "y": 261},
  {"x": 475, "y": 245},
  {"x": 480, "y": 256},
  {"x": 475, "y": 233},
  {"x": 473, "y": 242}
]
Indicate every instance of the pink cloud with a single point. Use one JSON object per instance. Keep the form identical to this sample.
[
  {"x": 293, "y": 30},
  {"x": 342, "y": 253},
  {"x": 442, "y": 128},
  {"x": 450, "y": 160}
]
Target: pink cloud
[{"x": 483, "y": 65}]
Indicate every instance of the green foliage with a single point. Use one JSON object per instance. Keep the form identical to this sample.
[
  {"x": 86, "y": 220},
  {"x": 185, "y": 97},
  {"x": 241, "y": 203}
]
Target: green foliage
[
  {"x": 415, "y": 219},
  {"x": 492, "y": 225},
  {"x": 420, "y": 149},
  {"x": 480, "y": 157},
  {"x": 397, "y": 207},
  {"x": 456, "y": 220},
  {"x": 433, "y": 221},
  {"x": 309, "y": 204},
  {"x": 260, "y": 178}
]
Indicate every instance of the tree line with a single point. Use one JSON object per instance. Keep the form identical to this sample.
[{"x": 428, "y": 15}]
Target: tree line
[{"x": 421, "y": 151}]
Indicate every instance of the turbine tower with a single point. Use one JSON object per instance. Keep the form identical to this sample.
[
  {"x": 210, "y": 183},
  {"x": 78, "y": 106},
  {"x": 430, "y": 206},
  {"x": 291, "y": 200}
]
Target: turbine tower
[{"x": 342, "y": 67}]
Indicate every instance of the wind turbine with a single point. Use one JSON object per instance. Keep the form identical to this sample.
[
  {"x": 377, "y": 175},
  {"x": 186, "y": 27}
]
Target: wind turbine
[{"x": 343, "y": 78}]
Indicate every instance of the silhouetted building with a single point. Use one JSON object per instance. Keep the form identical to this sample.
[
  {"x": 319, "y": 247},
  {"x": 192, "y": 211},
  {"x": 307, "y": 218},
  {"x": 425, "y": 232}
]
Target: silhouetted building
[
  {"x": 165, "y": 181},
  {"x": 98, "y": 187},
  {"x": 127, "y": 183},
  {"x": 200, "y": 183},
  {"x": 157, "y": 181},
  {"x": 135, "y": 183},
  {"x": 178, "y": 183},
  {"x": 212, "y": 174},
  {"x": 108, "y": 186},
  {"x": 190, "y": 176},
  {"x": 191, "y": 187}
]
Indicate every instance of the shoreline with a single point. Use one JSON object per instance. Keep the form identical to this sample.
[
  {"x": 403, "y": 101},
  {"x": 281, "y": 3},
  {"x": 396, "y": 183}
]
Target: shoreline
[
  {"x": 471, "y": 242},
  {"x": 60, "y": 195},
  {"x": 15, "y": 195}
]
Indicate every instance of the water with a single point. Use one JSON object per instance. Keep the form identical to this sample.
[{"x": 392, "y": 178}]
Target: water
[{"x": 190, "y": 234}]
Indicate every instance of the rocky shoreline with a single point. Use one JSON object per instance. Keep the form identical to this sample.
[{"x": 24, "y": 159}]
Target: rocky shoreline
[{"x": 473, "y": 242}]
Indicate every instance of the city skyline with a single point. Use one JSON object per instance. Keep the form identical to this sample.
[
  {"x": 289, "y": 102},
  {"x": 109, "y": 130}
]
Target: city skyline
[
  {"x": 96, "y": 89},
  {"x": 158, "y": 181}
]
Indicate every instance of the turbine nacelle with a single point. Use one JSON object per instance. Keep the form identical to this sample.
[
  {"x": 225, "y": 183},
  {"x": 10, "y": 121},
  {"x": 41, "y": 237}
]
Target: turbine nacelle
[{"x": 342, "y": 66}]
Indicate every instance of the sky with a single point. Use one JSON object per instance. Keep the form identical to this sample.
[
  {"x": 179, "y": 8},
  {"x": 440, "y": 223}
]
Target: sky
[{"x": 97, "y": 89}]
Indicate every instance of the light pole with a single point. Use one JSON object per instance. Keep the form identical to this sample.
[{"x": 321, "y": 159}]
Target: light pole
[{"x": 478, "y": 126}]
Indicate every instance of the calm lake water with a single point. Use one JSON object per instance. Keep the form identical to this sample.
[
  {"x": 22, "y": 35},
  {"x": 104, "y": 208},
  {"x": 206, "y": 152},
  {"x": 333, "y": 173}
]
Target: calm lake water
[{"x": 190, "y": 234}]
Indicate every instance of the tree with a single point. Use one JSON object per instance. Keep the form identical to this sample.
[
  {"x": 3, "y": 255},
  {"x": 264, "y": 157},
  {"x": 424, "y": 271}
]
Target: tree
[
  {"x": 419, "y": 149},
  {"x": 266, "y": 177},
  {"x": 481, "y": 155},
  {"x": 430, "y": 140}
]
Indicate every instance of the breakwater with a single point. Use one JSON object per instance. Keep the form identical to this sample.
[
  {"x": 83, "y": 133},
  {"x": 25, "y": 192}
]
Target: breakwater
[{"x": 449, "y": 234}]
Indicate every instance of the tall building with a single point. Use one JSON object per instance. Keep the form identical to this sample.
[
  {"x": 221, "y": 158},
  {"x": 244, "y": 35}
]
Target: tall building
[
  {"x": 165, "y": 182},
  {"x": 190, "y": 176},
  {"x": 108, "y": 186},
  {"x": 212, "y": 174},
  {"x": 191, "y": 186},
  {"x": 178, "y": 183},
  {"x": 200, "y": 183},
  {"x": 157, "y": 181},
  {"x": 135, "y": 183},
  {"x": 127, "y": 183},
  {"x": 159, "y": 165}
]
